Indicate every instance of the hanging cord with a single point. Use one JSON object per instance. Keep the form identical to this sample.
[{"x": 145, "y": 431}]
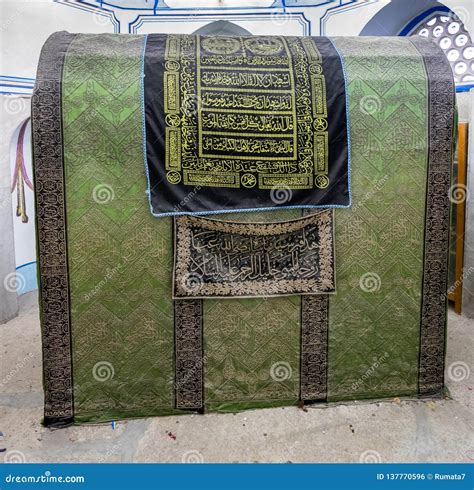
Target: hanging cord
[{"x": 20, "y": 175}]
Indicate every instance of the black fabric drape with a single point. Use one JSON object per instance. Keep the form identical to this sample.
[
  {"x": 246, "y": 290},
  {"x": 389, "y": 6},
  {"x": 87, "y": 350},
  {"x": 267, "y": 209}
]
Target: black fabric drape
[{"x": 194, "y": 168}]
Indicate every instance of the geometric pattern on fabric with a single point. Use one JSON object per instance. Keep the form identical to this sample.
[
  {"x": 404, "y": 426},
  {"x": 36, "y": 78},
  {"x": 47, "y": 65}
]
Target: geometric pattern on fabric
[
  {"x": 120, "y": 257},
  {"x": 252, "y": 346},
  {"x": 374, "y": 320},
  {"x": 189, "y": 355},
  {"x": 114, "y": 343},
  {"x": 314, "y": 342},
  {"x": 51, "y": 232},
  {"x": 436, "y": 242}
]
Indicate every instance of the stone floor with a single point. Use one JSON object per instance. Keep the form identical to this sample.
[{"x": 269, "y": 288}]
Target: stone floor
[{"x": 391, "y": 431}]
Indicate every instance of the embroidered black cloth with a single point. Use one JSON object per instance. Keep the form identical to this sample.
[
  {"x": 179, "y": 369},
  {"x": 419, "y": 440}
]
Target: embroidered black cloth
[
  {"x": 244, "y": 123},
  {"x": 223, "y": 259}
]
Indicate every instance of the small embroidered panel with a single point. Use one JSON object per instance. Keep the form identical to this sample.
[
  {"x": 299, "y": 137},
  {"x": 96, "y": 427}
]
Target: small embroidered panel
[{"x": 222, "y": 259}]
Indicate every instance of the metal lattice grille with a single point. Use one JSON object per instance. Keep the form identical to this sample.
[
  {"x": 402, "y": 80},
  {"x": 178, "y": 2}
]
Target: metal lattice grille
[{"x": 449, "y": 33}]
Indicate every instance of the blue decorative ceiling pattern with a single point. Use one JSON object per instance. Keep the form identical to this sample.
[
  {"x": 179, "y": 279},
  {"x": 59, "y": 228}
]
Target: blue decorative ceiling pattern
[{"x": 161, "y": 4}]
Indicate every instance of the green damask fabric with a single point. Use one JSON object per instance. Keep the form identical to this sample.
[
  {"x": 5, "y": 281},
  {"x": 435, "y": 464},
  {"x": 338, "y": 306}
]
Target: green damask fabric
[
  {"x": 120, "y": 257},
  {"x": 374, "y": 319},
  {"x": 248, "y": 364}
]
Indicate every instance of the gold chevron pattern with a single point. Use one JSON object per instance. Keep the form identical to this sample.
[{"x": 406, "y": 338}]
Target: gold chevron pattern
[
  {"x": 374, "y": 319},
  {"x": 120, "y": 258},
  {"x": 246, "y": 363}
]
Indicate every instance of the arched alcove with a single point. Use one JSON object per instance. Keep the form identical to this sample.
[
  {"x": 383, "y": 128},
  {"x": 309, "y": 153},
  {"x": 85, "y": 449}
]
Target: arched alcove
[
  {"x": 431, "y": 20},
  {"x": 394, "y": 17},
  {"x": 222, "y": 28},
  {"x": 448, "y": 31}
]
